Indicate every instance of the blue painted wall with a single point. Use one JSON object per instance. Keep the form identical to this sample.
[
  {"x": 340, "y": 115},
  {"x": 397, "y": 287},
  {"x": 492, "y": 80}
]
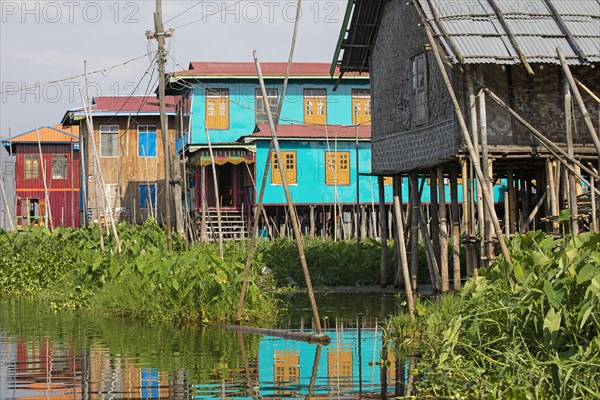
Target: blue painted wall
[
  {"x": 242, "y": 105},
  {"x": 310, "y": 187}
]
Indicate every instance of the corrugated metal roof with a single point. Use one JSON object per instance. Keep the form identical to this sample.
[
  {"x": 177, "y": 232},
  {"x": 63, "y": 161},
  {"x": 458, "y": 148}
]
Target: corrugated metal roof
[
  {"x": 313, "y": 132},
  {"x": 478, "y": 36},
  {"x": 248, "y": 69},
  {"x": 47, "y": 134}
]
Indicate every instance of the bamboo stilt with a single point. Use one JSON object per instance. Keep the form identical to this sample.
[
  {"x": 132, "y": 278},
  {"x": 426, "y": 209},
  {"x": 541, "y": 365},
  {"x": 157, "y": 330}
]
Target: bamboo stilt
[
  {"x": 383, "y": 233},
  {"x": 512, "y": 207},
  {"x": 443, "y": 231},
  {"x": 216, "y": 188},
  {"x": 466, "y": 208},
  {"x": 594, "y": 220},
  {"x": 403, "y": 256},
  {"x": 363, "y": 222},
  {"x": 571, "y": 178},
  {"x": 434, "y": 271},
  {"x": 455, "y": 227},
  {"x": 434, "y": 224},
  {"x": 487, "y": 248},
  {"x": 415, "y": 202}
]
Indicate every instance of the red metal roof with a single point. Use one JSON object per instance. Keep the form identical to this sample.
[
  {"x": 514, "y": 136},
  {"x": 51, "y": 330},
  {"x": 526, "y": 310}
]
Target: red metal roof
[
  {"x": 314, "y": 132},
  {"x": 132, "y": 104},
  {"x": 48, "y": 134},
  {"x": 269, "y": 69}
]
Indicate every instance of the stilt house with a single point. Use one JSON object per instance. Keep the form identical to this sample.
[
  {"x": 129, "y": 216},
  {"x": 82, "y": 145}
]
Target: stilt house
[
  {"x": 322, "y": 133},
  {"x": 503, "y": 91}
]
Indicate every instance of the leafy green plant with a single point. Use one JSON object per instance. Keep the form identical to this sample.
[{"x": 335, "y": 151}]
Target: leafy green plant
[{"x": 526, "y": 330}]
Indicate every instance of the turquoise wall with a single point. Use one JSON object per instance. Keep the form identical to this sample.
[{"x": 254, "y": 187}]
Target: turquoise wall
[
  {"x": 242, "y": 105},
  {"x": 310, "y": 187}
]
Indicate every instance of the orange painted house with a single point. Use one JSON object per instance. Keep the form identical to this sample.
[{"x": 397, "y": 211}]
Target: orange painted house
[{"x": 47, "y": 176}]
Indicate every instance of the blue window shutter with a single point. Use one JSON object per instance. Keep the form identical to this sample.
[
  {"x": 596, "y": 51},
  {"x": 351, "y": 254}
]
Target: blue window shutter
[
  {"x": 147, "y": 197},
  {"x": 147, "y": 144}
]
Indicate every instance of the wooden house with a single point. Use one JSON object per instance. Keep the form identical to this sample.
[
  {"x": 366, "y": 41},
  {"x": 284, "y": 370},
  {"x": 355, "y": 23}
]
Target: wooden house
[
  {"x": 482, "y": 92},
  {"x": 129, "y": 146},
  {"x": 47, "y": 176},
  {"x": 316, "y": 122}
]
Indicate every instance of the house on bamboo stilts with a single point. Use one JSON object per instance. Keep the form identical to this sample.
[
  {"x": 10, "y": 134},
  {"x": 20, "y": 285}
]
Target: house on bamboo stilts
[
  {"x": 47, "y": 176},
  {"x": 129, "y": 146},
  {"x": 481, "y": 93},
  {"x": 322, "y": 133}
]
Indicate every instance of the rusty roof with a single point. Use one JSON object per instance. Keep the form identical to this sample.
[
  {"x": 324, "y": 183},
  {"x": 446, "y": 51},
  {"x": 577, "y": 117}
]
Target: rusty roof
[
  {"x": 312, "y": 132},
  {"x": 248, "y": 69}
]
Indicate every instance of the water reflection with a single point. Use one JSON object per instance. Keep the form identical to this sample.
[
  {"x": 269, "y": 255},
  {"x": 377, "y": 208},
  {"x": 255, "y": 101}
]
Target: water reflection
[{"x": 76, "y": 357}]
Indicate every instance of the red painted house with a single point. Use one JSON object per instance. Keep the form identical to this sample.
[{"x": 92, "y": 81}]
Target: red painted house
[{"x": 47, "y": 176}]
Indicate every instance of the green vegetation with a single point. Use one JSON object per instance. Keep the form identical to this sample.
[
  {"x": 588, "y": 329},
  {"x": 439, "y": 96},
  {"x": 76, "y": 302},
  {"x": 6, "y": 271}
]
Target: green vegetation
[
  {"x": 332, "y": 263},
  {"x": 530, "y": 330},
  {"x": 66, "y": 268}
]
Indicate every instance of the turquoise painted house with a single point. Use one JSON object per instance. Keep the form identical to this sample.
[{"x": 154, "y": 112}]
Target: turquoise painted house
[{"x": 324, "y": 136}]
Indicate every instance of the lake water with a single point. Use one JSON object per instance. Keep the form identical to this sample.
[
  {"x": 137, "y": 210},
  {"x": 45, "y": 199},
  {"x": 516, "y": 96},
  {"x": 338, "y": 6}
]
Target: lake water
[{"x": 65, "y": 355}]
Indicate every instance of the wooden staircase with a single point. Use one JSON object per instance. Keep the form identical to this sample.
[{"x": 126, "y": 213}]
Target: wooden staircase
[{"x": 233, "y": 225}]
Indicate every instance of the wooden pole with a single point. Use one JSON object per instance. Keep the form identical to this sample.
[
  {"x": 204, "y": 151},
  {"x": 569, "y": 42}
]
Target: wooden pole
[
  {"x": 443, "y": 231},
  {"x": 98, "y": 172},
  {"x": 594, "y": 209},
  {"x": 6, "y": 206},
  {"x": 312, "y": 221},
  {"x": 476, "y": 183},
  {"x": 571, "y": 178},
  {"x": 434, "y": 271},
  {"x": 383, "y": 233},
  {"x": 434, "y": 224},
  {"x": 465, "y": 132},
  {"x": 512, "y": 197},
  {"x": 415, "y": 201},
  {"x": 455, "y": 227},
  {"x": 487, "y": 248},
  {"x": 466, "y": 215},
  {"x": 203, "y": 203},
  {"x": 402, "y": 244},
  {"x": 217, "y": 196},
  {"x": 48, "y": 213},
  {"x": 363, "y": 222},
  {"x": 159, "y": 35},
  {"x": 259, "y": 205},
  {"x": 292, "y": 208}
]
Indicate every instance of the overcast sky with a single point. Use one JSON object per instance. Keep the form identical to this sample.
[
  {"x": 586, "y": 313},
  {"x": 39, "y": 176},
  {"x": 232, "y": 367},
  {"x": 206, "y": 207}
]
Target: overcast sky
[
  {"x": 48, "y": 41},
  {"x": 44, "y": 41}
]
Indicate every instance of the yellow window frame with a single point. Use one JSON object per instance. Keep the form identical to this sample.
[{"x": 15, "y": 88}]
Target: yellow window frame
[
  {"x": 290, "y": 168},
  {"x": 217, "y": 108},
  {"x": 315, "y": 106},
  {"x": 337, "y": 167},
  {"x": 361, "y": 106}
]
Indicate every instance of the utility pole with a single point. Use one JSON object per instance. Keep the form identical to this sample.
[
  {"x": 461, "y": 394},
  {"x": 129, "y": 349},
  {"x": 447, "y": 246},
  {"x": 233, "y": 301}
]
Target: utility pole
[{"x": 160, "y": 34}]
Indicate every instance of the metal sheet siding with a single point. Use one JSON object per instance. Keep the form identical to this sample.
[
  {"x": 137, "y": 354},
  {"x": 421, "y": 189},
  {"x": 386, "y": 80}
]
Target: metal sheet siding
[{"x": 479, "y": 36}]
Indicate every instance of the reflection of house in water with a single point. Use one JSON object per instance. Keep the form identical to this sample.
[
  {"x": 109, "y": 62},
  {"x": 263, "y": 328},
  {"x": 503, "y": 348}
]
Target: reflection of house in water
[
  {"x": 347, "y": 366},
  {"x": 53, "y": 369}
]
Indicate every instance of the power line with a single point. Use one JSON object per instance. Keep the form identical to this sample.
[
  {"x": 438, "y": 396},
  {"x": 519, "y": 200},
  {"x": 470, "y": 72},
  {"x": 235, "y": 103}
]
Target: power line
[
  {"x": 104, "y": 71},
  {"x": 183, "y": 12},
  {"x": 204, "y": 18}
]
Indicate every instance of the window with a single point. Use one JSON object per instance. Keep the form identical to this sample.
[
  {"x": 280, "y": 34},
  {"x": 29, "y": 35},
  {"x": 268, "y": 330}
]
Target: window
[
  {"x": 419, "y": 109},
  {"x": 217, "y": 108},
  {"x": 109, "y": 140},
  {"x": 59, "y": 166},
  {"x": 147, "y": 141},
  {"x": 32, "y": 166},
  {"x": 261, "y": 110},
  {"x": 337, "y": 167},
  {"x": 148, "y": 195},
  {"x": 388, "y": 180},
  {"x": 315, "y": 106},
  {"x": 361, "y": 106},
  {"x": 289, "y": 159}
]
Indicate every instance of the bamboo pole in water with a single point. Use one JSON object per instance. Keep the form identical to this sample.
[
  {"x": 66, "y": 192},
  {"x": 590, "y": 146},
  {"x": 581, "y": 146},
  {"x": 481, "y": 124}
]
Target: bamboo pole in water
[
  {"x": 291, "y": 206},
  {"x": 297, "y": 336},
  {"x": 404, "y": 259}
]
